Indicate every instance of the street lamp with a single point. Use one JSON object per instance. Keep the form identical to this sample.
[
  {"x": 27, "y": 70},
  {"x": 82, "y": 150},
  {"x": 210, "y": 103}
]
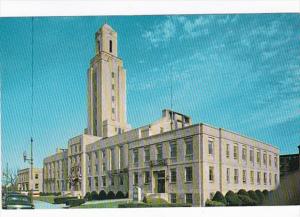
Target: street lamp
[{"x": 30, "y": 160}]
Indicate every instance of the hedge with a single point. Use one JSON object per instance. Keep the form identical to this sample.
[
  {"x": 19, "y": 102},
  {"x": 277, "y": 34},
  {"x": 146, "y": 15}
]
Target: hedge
[
  {"x": 154, "y": 201},
  {"x": 75, "y": 202},
  {"x": 120, "y": 195},
  {"x": 111, "y": 195},
  {"x": 243, "y": 192},
  {"x": 266, "y": 193},
  {"x": 246, "y": 200},
  {"x": 88, "y": 196},
  {"x": 50, "y": 193},
  {"x": 145, "y": 205},
  {"x": 232, "y": 199},
  {"x": 94, "y": 195},
  {"x": 260, "y": 196},
  {"x": 61, "y": 200},
  {"x": 218, "y": 197},
  {"x": 102, "y": 195},
  {"x": 210, "y": 203},
  {"x": 253, "y": 196}
]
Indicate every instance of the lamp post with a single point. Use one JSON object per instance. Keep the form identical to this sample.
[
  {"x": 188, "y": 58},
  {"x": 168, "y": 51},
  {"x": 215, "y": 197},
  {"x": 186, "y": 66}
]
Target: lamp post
[{"x": 30, "y": 160}]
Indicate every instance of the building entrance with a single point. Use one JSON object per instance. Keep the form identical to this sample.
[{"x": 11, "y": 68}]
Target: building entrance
[{"x": 161, "y": 181}]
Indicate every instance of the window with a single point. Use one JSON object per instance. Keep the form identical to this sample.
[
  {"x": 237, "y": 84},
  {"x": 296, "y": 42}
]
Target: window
[
  {"x": 252, "y": 177},
  {"x": 110, "y": 46},
  {"x": 188, "y": 147},
  {"x": 275, "y": 178},
  {"x": 244, "y": 177},
  {"x": 227, "y": 151},
  {"x": 36, "y": 176},
  {"x": 103, "y": 154},
  {"x": 265, "y": 178},
  {"x": 188, "y": 174},
  {"x": 258, "y": 157},
  {"x": 173, "y": 175},
  {"x": 135, "y": 178},
  {"x": 173, "y": 150},
  {"x": 113, "y": 98},
  {"x": 147, "y": 177},
  {"x": 211, "y": 174},
  {"x": 210, "y": 147},
  {"x": 189, "y": 198},
  {"x": 244, "y": 154},
  {"x": 173, "y": 198},
  {"x": 112, "y": 159},
  {"x": 236, "y": 176},
  {"x": 113, "y": 110},
  {"x": 135, "y": 156},
  {"x": 103, "y": 181},
  {"x": 96, "y": 168},
  {"x": 103, "y": 166},
  {"x": 147, "y": 154},
  {"x": 112, "y": 181},
  {"x": 258, "y": 177},
  {"x": 121, "y": 181},
  {"x": 228, "y": 175},
  {"x": 251, "y": 156},
  {"x": 112, "y": 86},
  {"x": 275, "y": 161},
  {"x": 36, "y": 186},
  {"x": 235, "y": 152},
  {"x": 159, "y": 152},
  {"x": 270, "y": 160},
  {"x": 265, "y": 159},
  {"x": 270, "y": 179},
  {"x": 96, "y": 182},
  {"x": 89, "y": 169}
]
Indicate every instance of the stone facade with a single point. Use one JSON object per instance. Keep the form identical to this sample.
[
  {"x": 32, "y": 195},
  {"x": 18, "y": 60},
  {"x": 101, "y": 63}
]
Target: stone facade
[{"x": 25, "y": 183}]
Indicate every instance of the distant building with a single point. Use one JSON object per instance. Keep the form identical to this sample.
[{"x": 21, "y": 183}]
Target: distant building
[
  {"x": 26, "y": 184},
  {"x": 170, "y": 158},
  {"x": 289, "y": 163}
]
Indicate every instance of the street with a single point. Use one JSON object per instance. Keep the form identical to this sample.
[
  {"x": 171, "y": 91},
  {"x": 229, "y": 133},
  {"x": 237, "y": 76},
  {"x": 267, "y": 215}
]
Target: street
[{"x": 43, "y": 205}]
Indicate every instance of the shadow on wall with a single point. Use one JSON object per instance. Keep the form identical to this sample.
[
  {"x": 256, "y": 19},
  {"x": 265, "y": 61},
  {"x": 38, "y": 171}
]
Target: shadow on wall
[{"x": 288, "y": 193}]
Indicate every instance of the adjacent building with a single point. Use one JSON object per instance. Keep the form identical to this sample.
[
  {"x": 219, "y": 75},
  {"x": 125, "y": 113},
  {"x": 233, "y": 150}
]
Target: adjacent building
[
  {"x": 289, "y": 163},
  {"x": 26, "y": 183},
  {"x": 170, "y": 158}
]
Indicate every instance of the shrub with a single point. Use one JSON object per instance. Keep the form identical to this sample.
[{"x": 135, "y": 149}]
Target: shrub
[
  {"x": 145, "y": 199},
  {"x": 88, "y": 196},
  {"x": 232, "y": 199},
  {"x": 218, "y": 197},
  {"x": 253, "y": 196},
  {"x": 143, "y": 205},
  {"x": 260, "y": 196},
  {"x": 246, "y": 200},
  {"x": 266, "y": 193},
  {"x": 94, "y": 195},
  {"x": 61, "y": 200},
  {"x": 214, "y": 203},
  {"x": 243, "y": 192},
  {"x": 119, "y": 195},
  {"x": 111, "y": 195},
  {"x": 126, "y": 195},
  {"x": 75, "y": 202},
  {"x": 102, "y": 195},
  {"x": 155, "y": 201}
]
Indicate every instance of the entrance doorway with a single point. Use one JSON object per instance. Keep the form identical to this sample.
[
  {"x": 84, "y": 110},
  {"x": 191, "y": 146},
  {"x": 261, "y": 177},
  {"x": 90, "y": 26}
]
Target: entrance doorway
[{"x": 161, "y": 181}]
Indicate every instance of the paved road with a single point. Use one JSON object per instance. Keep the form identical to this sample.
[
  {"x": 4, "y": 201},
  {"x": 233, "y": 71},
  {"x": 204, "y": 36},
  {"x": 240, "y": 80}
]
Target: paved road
[{"x": 43, "y": 205}]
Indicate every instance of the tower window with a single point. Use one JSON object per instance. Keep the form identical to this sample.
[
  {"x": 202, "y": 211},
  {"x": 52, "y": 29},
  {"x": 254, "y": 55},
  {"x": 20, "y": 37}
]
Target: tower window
[{"x": 110, "y": 46}]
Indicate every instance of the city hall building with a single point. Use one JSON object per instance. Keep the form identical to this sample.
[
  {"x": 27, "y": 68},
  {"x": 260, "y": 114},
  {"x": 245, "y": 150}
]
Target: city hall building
[
  {"x": 170, "y": 158},
  {"x": 26, "y": 183}
]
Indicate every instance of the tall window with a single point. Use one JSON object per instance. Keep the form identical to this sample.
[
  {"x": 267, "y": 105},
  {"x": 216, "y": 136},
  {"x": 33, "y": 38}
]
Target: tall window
[
  {"x": 173, "y": 150},
  {"x": 188, "y": 174},
  {"x": 147, "y": 154},
  {"x": 211, "y": 174},
  {"x": 236, "y": 176},
  {"x": 121, "y": 179},
  {"x": 265, "y": 159},
  {"x": 110, "y": 46},
  {"x": 135, "y": 178},
  {"x": 189, "y": 147},
  {"x": 173, "y": 175},
  {"x": 270, "y": 160},
  {"x": 173, "y": 198},
  {"x": 270, "y": 179},
  {"x": 252, "y": 176},
  {"x": 244, "y": 154},
  {"x": 96, "y": 182},
  {"x": 258, "y": 157},
  {"x": 251, "y": 156},
  {"x": 136, "y": 156},
  {"x": 121, "y": 156},
  {"x": 258, "y": 177},
  {"x": 275, "y": 178},
  {"x": 228, "y": 175},
  {"x": 147, "y": 177},
  {"x": 227, "y": 151},
  {"x": 244, "y": 177},
  {"x": 275, "y": 161},
  {"x": 103, "y": 181},
  {"x": 210, "y": 147},
  {"x": 235, "y": 152},
  {"x": 189, "y": 198},
  {"x": 159, "y": 155},
  {"x": 265, "y": 178},
  {"x": 112, "y": 158}
]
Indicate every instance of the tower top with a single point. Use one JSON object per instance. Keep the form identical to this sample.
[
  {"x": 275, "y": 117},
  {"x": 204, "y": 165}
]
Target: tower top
[{"x": 106, "y": 40}]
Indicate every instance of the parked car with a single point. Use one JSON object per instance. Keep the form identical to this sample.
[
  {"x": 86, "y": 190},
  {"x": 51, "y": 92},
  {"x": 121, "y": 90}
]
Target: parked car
[{"x": 17, "y": 201}]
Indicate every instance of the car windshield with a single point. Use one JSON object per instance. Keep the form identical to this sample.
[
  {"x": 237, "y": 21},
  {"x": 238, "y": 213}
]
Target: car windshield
[{"x": 17, "y": 198}]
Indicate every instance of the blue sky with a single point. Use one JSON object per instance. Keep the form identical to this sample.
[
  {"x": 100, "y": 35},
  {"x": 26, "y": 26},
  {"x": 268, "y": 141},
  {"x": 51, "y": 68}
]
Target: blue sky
[{"x": 238, "y": 72}]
